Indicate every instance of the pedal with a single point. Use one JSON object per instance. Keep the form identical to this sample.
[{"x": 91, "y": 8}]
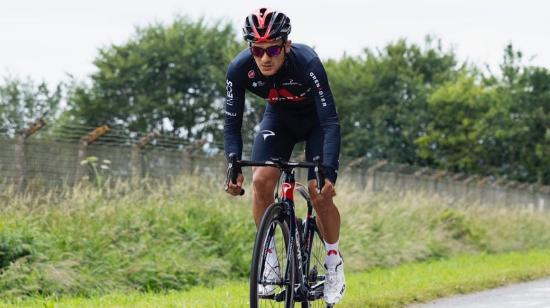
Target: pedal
[
  {"x": 271, "y": 296},
  {"x": 316, "y": 291},
  {"x": 279, "y": 297},
  {"x": 312, "y": 277},
  {"x": 300, "y": 295}
]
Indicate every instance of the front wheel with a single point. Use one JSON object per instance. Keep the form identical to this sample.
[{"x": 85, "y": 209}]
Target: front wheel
[{"x": 272, "y": 274}]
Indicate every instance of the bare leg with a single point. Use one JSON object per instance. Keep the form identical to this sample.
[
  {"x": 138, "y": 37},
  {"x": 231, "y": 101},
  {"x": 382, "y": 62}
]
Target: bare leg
[
  {"x": 264, "y": 180},
  {"x": 328, "y": 217}
]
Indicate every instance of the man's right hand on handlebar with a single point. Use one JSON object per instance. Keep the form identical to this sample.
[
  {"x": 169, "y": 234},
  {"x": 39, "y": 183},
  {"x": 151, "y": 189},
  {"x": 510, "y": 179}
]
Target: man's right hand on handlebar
[
  {"x": 235, "y": 178},
  {"x": 235, "y": 189}
]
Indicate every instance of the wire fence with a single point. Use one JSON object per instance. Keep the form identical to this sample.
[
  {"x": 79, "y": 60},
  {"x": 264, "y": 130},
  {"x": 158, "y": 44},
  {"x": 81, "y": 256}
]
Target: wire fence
[
  {"x": 453, "y": 187},
  {"x": 41, "y": 158}
]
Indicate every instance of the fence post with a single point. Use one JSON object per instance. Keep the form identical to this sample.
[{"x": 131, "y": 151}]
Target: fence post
[
  {"x": 544, "y": 196},
  {"x": 188, "y": 152},
  {"x": 86, "y": 140},
  {"x": 20, "y": 164},
  {"x": 436, "y": 179},
  {"x": 371, "y": 185},
  {"x": 136, "y": 161},
  {"x": 355, "y": 165}
]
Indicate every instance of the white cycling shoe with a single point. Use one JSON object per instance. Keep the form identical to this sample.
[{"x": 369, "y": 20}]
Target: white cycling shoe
[
  {"x": 272, "y": 274},
  {"x": 335, "y": 284}
]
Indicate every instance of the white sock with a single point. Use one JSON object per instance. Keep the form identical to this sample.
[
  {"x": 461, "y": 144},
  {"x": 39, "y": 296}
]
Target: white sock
[
  {"x": 272, "y": 254},
  {"x": 333, "y": 257}
]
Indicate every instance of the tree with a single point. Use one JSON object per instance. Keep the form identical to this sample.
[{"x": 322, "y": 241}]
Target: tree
[
  {"x": 454, "y": 136},
  {"x": 169, "y": 78},
  {"x": 519, "y": 120},
  {"x": 23, "y": 101},
  {"x": 496, "y": 125},
  {"x": 381, "y": 98}
]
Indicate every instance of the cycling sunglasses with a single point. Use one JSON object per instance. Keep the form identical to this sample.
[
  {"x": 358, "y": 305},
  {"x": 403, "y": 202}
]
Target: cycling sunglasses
[{"x": 272, "y": 51}]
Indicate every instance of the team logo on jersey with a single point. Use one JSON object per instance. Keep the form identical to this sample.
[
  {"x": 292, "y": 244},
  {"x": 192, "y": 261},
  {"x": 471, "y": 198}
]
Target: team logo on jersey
[
  {"x": 291, "y": 82},
  {"x": 267, "y": 133},
  {"x": 251, "y": 74},
  {"x": 258, "y": 84}
]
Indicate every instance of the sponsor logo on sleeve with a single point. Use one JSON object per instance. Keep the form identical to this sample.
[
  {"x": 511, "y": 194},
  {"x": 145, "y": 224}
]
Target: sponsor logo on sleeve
[
  {"x": 229, "y": 89},
  {"x": 319, "y": 89}
]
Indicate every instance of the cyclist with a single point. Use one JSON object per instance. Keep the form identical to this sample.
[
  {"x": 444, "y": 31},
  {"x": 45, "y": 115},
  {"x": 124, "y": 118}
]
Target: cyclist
[{"x": 300, "y": 107}]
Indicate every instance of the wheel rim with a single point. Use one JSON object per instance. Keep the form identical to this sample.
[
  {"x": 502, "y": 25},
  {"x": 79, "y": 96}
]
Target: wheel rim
[
  {"x": 274, "y": 273},
  {"x": 317, "y": 265}
]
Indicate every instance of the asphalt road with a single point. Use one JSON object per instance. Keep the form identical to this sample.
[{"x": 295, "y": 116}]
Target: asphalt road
[{"x": 533, "y": 294}]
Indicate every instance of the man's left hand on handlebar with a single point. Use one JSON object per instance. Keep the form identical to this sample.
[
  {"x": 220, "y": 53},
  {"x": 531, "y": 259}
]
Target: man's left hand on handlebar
[
  {"x": 327, "y": 192},
  {"x": 235, "y": 188}
]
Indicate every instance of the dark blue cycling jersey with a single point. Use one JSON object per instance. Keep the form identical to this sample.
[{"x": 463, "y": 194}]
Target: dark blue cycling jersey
[{"x": 298, "y": 93}]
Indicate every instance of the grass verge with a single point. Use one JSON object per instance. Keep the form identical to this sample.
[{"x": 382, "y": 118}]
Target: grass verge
[
  {"x": 390, "y": 287},
  {"x": 152, "y": 237}
]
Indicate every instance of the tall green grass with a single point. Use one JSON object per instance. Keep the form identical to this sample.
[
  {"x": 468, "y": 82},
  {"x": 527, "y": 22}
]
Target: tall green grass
[
  {"x": 382, "y": 287},
  {"x": 154, "y": 237}
]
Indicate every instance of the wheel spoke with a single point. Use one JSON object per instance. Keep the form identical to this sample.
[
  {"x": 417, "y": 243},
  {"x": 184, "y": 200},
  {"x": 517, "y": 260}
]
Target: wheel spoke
[
  {"x": 316, "y": 268},
  {"x": 270, "y": 263}
]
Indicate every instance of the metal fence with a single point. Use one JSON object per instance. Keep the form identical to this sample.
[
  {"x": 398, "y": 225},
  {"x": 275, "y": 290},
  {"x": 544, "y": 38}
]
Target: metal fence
[
  {"x": 44, "y": 159},
  {"x": 66, "y": 155},
  {"x": 472, "y": 189}
]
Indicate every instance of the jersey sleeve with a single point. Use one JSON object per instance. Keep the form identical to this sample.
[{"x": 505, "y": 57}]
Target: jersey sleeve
[
  {"x": 234, "y": 109},
  {"x": 328, "y": 117}
]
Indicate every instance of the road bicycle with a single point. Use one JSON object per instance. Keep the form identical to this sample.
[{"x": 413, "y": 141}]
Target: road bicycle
[{"x": 297, "y": 274}]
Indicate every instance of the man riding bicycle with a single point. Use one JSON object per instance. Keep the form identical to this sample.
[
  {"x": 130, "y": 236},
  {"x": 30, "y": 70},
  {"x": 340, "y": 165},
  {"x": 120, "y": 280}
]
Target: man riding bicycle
[{"x": 300, "y": 108}]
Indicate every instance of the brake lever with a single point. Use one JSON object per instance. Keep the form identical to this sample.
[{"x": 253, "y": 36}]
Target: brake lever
[{"x": 319, "y": 175}]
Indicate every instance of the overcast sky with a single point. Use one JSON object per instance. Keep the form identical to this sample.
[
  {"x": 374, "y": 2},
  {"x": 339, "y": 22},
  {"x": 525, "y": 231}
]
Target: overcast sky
[{"x": 48, "y": 39}]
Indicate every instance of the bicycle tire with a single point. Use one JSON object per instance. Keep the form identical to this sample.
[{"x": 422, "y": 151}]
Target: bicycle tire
[
  {"x": 274, "y": 224},
  {"x": 316, "y": 268}
]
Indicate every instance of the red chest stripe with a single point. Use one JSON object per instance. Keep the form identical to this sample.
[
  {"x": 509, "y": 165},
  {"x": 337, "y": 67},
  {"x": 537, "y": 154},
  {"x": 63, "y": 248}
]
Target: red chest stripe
[{"x": 283, "y": 94}]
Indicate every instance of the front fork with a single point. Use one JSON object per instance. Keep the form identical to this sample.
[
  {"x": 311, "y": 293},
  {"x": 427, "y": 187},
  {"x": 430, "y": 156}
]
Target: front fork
[
  {"x": 299, "y": 234},
  {"x": 295, "y": 247}
]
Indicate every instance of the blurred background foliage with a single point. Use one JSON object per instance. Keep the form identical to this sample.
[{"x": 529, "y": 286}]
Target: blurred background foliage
[{"x": 404, "y": 102}]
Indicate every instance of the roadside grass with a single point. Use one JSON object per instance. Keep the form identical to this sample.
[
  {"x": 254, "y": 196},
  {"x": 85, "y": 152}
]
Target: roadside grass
[
  {"x": 422, "y": 282},
  {"x": 152, "y": 237},
  {"x": 382, "y": 287}
]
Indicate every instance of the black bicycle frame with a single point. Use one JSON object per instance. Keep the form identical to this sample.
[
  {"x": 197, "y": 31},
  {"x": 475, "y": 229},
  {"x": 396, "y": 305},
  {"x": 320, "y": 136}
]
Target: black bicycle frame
[
  {"x": 300, "y": 242},
  {"x": 287, "y": 199}
]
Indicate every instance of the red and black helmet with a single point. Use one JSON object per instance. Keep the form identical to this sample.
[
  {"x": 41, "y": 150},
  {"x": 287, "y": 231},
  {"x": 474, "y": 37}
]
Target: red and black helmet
[{"x": 266, "y": 25}]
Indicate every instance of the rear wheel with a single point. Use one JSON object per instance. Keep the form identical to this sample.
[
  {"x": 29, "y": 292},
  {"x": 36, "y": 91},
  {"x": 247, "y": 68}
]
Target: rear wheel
[
  {"x": 272, "y": 278},
  {"x": 316, "y": 268}
]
